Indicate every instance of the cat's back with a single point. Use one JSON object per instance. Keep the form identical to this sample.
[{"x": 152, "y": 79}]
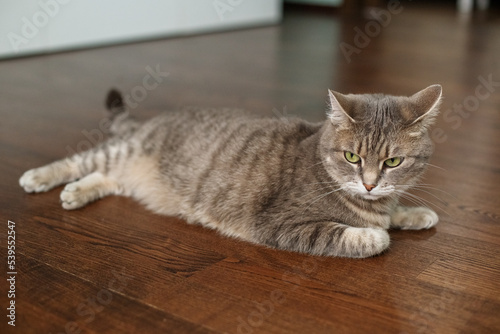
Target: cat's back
[
  {"x": 203, "y": 132},
  {"x": 227, "y": 144}
]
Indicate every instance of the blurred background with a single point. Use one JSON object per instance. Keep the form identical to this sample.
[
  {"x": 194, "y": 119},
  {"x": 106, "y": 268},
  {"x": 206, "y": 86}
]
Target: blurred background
[{"x": 33, "y": 27}]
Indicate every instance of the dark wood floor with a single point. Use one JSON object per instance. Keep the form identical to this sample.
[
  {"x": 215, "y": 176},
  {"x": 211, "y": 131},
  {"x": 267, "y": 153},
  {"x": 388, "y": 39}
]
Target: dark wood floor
[{"x": 114, "y": 267}]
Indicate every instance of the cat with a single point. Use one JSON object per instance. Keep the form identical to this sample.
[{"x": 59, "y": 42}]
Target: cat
[{"x": 328, "y": 189}]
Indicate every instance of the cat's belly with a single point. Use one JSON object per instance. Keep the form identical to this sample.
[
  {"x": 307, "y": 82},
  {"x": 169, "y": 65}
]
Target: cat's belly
[{"x": 141, "y": 180}]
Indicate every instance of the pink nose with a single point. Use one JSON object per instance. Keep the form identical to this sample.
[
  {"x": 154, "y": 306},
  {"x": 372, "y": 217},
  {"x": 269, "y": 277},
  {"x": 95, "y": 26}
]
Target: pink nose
[{"x": 369, "y": 187}]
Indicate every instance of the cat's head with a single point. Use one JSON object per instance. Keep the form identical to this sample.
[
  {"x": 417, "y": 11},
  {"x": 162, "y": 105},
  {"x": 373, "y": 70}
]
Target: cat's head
[{"x": 377, "y": 145}]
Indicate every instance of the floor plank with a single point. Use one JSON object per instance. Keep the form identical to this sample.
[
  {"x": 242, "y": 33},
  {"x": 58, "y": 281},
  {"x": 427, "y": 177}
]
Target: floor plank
[{"x": 73, "y": 305}]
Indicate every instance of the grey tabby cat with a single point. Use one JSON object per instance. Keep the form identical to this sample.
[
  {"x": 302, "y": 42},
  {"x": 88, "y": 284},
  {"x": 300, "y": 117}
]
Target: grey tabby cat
[{"x": 328, "y": 189}]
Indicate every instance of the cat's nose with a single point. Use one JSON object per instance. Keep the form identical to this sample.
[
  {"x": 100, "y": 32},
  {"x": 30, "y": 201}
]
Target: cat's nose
[{"x": 369, "y": 187}]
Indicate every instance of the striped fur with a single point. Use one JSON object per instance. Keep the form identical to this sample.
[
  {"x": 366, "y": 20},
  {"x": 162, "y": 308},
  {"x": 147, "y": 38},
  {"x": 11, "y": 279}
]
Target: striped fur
[{"x": 281, "y": 184}]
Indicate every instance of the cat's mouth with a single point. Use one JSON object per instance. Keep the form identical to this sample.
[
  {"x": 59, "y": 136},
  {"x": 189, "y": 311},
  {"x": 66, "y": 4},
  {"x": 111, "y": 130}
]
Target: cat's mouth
[{"x": 359, "y": 191}]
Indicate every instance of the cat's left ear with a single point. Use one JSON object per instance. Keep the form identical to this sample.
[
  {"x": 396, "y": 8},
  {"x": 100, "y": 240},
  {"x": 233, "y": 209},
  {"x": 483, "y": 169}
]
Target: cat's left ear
[{"x": 424, "y": 106}]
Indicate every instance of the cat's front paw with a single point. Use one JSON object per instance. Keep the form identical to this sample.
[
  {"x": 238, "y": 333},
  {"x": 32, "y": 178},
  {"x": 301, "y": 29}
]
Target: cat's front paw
[
  {"x": 413, "y": 218},
  {"x": 364, "y": 242},
  {"x": 36, "y": 180}
]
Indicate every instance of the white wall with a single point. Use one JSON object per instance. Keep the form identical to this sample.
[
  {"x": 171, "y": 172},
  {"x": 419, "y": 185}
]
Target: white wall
[
  {"x": 334, "y": 3},
  {"x": 35, "y": 26}
]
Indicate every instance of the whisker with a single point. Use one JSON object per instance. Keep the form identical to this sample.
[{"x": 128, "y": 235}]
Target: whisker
[
  {"x": 433, "y": 195},
  {"x": 438, "y": 167},
  {"x": 416, "y": 188},
  {"x": 412, "y": 199},
  {"x": 314, "y": 191},
  {"x": 409, "y": 199},
  {"x": 320, "y": 197},
  {"x": 309, "y": 184},
  {"x": 427, "y": 186},
  {"x": 422, "y": 201},
  {"x": 322, "y": 161}
]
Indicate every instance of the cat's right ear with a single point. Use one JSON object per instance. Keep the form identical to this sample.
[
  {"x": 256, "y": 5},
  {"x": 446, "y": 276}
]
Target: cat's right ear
[{"x": 338, "y": 109}]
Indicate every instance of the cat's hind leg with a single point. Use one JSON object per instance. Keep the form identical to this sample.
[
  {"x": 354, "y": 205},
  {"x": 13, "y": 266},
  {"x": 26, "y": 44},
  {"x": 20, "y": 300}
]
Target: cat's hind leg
[
  {"x": 88, "y": 189},
  {"x": 47, "y": 177},
  {"x": 66, "y": 170},
  {"x": 413, "y": 218},
  {"x": 90, "y": 168}
]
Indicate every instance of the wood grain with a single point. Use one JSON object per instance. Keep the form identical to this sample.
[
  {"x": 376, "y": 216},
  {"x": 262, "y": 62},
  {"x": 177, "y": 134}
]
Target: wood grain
[{"x": 180, "y": 278}]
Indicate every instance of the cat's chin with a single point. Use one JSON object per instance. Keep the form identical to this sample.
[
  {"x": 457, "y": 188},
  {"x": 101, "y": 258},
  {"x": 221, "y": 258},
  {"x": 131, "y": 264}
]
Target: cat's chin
[{"x": 371, "y": 197}]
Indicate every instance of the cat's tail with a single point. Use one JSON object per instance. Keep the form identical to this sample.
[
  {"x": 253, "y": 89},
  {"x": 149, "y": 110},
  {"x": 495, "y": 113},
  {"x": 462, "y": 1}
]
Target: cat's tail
[
  {"x": 114, "y": 103},
  {"x": 121, "y": 122}
]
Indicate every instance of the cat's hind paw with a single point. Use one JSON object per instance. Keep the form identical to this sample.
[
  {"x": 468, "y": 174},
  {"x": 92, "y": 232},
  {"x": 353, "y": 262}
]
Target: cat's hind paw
[
  {"x": 73, "y": 196},
  {"x": 413, "y": 218},
  {"x": 92, "y": 187},
  {"x": 36, "y": 180}
]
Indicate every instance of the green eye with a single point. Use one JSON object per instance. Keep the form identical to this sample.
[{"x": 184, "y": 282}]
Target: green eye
[
  {"x": 393, "y": 162},
  {"x": 351, "y": 157}
]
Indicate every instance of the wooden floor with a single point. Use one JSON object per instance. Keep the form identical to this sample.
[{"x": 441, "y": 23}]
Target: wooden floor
[{"x": 113, "y": 267}]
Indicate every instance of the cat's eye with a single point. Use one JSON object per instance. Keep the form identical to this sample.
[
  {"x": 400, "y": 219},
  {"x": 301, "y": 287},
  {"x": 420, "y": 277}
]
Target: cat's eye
[
  {"x": 351, "y": 157},
  {"x": 393, "y": 162}
]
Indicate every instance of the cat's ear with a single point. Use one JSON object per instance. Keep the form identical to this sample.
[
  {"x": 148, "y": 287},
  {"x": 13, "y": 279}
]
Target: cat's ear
[
  {"x": 424, "y": 106},
  {"x": 339, "y": 107}
]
